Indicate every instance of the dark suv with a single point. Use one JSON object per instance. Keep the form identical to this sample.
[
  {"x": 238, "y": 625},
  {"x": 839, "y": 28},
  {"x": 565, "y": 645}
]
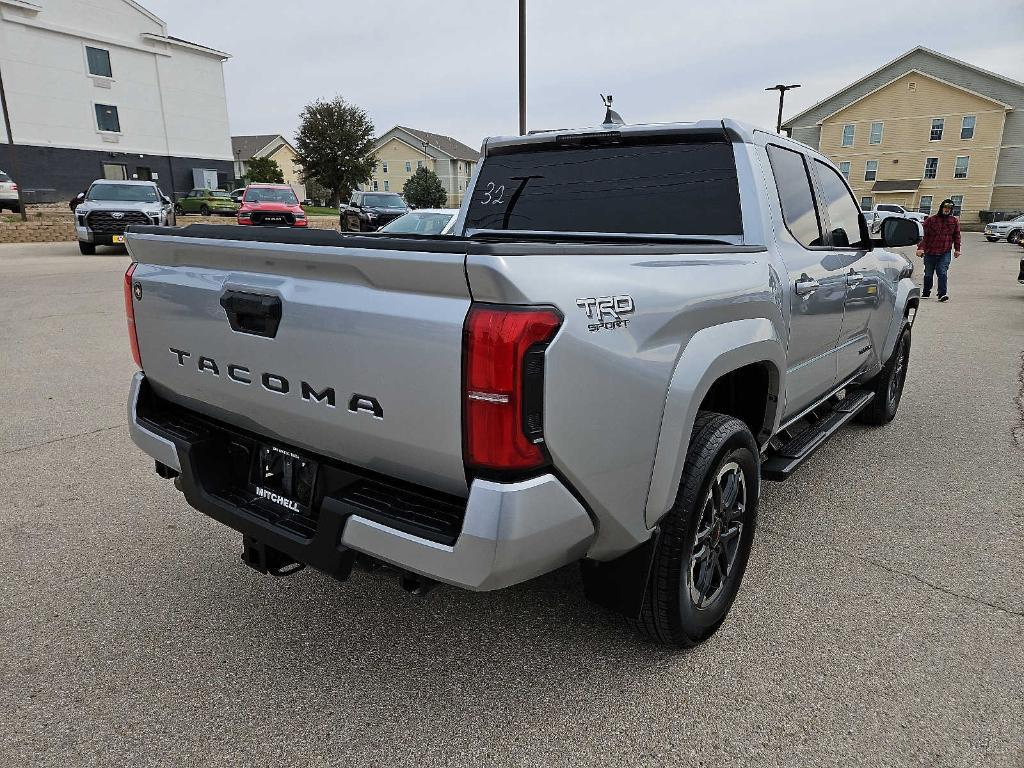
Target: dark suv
[{"x": 369, "y": 211}]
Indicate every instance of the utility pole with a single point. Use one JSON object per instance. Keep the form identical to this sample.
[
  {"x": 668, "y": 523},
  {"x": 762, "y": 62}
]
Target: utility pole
[
  {"x": 782, "y": 96},
  {"x": 522, "y": 67},
  {"x": 14, "y": 152}
]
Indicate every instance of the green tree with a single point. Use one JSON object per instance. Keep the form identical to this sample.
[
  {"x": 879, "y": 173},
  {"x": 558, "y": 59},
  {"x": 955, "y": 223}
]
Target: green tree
[
  {"x": 424, "y": 190},
  {"x": 334, "y": 146},
  {"x": 264, "y": 170}
]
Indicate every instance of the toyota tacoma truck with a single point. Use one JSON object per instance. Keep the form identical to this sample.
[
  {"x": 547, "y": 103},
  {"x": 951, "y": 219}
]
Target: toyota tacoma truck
[{"x": 629, "y": 329}]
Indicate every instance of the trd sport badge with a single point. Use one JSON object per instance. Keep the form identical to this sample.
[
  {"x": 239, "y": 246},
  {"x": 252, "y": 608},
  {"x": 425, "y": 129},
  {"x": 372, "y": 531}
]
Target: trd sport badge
[{"x": 608, "y": 311}]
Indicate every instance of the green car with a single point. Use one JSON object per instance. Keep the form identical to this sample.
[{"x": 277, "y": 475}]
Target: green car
[{"x": 207, "y": 202}]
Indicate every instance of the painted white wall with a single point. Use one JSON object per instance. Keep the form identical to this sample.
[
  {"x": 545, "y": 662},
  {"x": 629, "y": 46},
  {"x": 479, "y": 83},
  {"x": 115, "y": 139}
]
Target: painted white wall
[{"x": 170, "y": 99}]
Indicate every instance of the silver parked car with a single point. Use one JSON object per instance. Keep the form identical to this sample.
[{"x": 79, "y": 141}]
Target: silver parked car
[
  {"x": 110, "y": 206},
  {"x": 423, "y": 221},
  {"x": 1010, "y": 230},
  {"x": 8, "y": 193}
]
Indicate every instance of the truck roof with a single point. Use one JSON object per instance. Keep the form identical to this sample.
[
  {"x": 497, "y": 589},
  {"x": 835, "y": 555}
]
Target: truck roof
[{"x": 727, "y": 129}]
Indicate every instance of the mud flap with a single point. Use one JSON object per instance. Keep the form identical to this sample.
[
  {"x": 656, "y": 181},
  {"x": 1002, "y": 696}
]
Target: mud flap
[{"x": 621, "y": 584}]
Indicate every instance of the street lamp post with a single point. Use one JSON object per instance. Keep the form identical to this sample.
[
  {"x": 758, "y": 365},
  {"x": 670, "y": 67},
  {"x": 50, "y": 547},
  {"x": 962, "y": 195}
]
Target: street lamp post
[
  {"x": 14, "y": 152},
  {"x": 522, "y": 67},
  {"x": 782, "y": 96}
]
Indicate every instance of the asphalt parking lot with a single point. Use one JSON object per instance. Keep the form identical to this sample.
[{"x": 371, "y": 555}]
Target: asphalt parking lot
[{"x": 881, "y": 621}]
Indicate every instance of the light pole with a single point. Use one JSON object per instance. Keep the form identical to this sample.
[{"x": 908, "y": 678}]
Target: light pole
[
  {"x": 782, "y": 96},
  {"x": 14, "y": 152},
  {"x": 522, "y": 67}
]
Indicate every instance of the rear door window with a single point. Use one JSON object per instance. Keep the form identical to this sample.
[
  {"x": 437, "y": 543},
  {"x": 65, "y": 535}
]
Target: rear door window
[
  {"x": 662, "y": 189},
  {"x": 795, "y": 195}
]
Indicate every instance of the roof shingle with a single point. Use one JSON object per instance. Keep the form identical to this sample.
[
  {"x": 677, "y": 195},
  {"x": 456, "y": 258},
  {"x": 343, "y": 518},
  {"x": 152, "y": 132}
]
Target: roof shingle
[{"x": 446, "y": 144}]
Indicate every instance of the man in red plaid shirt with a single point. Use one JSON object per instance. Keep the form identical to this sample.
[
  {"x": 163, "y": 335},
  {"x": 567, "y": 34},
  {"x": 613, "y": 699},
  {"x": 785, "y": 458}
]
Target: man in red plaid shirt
[{"x": 941, "y": 240}]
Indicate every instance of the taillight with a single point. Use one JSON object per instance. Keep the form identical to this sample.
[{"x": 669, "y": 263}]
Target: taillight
[
  {"x": 129, "y": 311},
  {"x": 14, "y": 187},
  {"x": 504, "y": 386}
]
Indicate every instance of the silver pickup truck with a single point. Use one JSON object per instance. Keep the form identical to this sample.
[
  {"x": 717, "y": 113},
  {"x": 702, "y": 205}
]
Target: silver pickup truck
[{"x": 629, "y": 329}]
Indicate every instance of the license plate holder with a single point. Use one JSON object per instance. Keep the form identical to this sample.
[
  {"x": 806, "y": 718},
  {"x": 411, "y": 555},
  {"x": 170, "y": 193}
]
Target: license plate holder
[
  {"x": 284, "y": 478},
  {"x": 117, "y": 238}
]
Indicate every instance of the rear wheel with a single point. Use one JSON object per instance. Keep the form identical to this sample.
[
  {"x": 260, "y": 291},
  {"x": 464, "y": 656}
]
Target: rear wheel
[
  {"x": 87, "y": 249},
  {"x": 704, "y": 540},
  {"x": 888, "y": 385},
  {"x": 204, "y": 210}
]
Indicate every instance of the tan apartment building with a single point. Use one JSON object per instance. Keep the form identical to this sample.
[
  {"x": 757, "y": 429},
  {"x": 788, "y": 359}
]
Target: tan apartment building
[
  {"x": 402, "y": 150},
  {"x": 278, "y": 149},
  {"x": 923, "y": 128}
]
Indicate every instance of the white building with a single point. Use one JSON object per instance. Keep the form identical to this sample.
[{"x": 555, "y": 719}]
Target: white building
[{"x": 97, "y": 88}]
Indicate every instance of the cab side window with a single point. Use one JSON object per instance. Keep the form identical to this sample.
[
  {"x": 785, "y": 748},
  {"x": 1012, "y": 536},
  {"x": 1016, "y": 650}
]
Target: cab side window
[
  {"x": 795, "y": 195},
  {"x": 843, "y": 213}
]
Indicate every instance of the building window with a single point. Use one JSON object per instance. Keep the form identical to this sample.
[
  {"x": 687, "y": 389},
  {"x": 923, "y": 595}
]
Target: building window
[
  {"x": 958, "y": 204},
  {"x": 106, "y": 118},
  {"x": 99, "y": 61},
  {"x": 866, "y": 203},
  {"x": 926, "y": 205},
  {"x": 938, "y": 123},
  {"x": 844, "y": 168},
  {"x": 386, "y": 185},
  {"x": 967, "y": 127},
  {"x": 848, "y": 135},
  {"x": 419, "y": 164},
  {"x": 870, "y": 170},
  {"x": 408, "y": 166},
  {"x": 931, "y": 167},
  {"x": 374, "y": 185},
  {"x": 876, "y": 134},
  {"x": 115, "y": 172},
  {"x": 384, "y": 166},
  {"x": 960, "y": 169}
]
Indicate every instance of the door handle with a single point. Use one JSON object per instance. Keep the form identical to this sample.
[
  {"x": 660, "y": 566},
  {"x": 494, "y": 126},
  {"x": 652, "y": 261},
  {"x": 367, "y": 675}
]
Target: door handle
[{"x": 806, "y": 285}]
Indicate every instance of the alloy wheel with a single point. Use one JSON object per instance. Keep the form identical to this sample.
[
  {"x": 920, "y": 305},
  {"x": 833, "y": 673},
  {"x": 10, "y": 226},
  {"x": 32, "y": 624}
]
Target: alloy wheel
[{"x": 719, "y": 532}]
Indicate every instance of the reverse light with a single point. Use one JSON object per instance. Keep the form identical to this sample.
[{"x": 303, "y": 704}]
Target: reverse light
[
  {"x": 129, "y": 311},
  {"x": 503, "y": 396}
]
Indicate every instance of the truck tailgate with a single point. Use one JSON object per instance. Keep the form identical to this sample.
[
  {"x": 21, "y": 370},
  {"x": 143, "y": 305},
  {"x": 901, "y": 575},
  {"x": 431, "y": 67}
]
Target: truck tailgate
[{"x": 365, "y": 364}]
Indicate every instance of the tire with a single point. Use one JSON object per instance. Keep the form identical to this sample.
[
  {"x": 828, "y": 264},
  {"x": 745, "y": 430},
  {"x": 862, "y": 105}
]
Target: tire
[
  {"x": 87, "y": 249},
  {"x": 888, "y": 385},
  {"x": 689, "y": 596},
  {"x": 178, "y": 210},
  {"x": 204, "y": 210},
  {"x": 15, "y": 208},
  {"x": 992, "y": 239},
  {"x": 1013, "y": 237}
]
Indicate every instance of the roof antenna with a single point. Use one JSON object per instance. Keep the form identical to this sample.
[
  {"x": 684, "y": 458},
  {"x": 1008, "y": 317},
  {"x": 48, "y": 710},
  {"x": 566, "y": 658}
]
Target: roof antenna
[{"x": 611, "y": 117}]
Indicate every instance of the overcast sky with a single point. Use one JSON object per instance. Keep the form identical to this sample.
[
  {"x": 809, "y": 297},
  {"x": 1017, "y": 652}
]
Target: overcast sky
[{"x": 450, "y": 66}]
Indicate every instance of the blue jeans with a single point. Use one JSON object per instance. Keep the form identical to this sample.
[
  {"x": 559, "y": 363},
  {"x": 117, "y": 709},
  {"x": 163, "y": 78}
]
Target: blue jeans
[{"x": 933, "y": 264}]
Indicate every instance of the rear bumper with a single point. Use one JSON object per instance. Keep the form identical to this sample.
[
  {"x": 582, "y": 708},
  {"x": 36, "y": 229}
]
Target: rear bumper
[{"x": 510, "y": 532}]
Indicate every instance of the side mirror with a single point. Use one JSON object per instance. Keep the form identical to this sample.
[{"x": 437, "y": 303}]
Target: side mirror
[
  {"x": 897, "y": 232},
  {"x": 166, "y": 199}
]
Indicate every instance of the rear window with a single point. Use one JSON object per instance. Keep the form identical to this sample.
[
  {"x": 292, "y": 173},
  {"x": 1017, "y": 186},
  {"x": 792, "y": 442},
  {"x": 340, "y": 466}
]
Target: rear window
[
  {"x": 664, "y": 189},
  {"x": 4, "y": 176}
]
